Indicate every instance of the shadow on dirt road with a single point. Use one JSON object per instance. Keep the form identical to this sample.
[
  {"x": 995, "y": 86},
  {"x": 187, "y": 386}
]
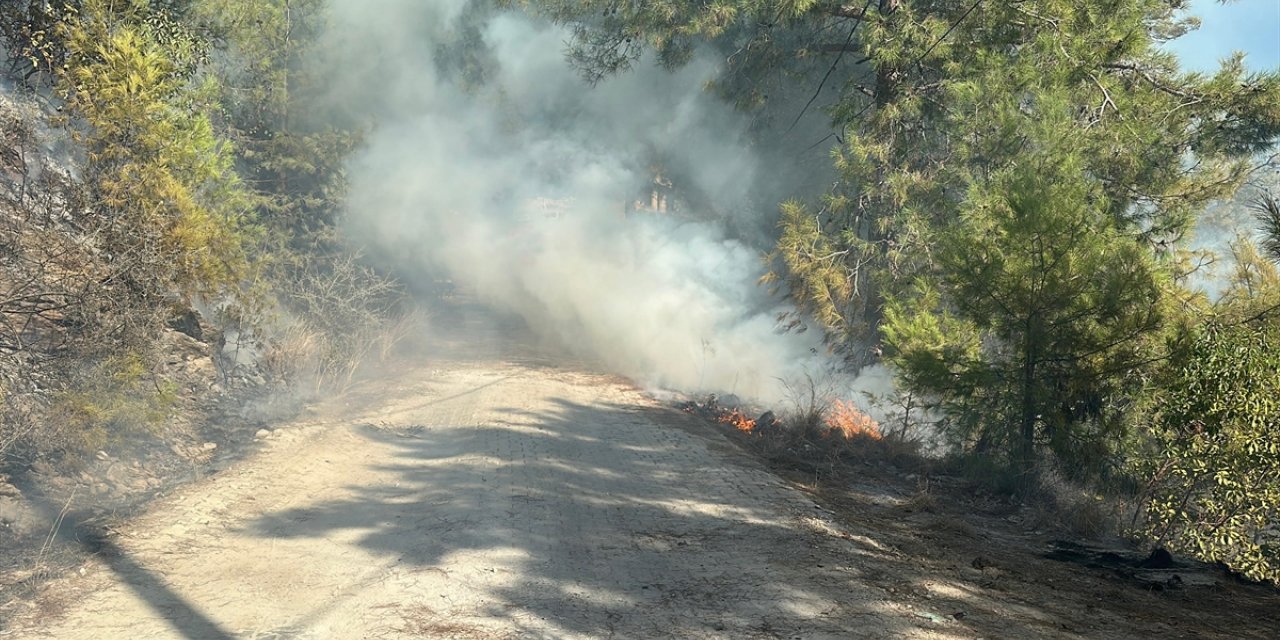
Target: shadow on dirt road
[
  {"x": 184, "y": 616},
  {"x": 599, "y": 520},
  {"x": 492, "y": 491}
]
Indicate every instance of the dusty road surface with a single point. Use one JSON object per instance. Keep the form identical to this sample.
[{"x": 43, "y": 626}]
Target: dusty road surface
[
  {"x": 491, "y": 489},
  {"x": 490, "y": 496}
]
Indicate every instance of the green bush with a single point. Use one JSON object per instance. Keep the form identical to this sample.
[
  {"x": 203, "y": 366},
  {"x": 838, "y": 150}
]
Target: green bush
[
  {"x": 1213, "y": 462},
  {"x": 113, "y": 398}
]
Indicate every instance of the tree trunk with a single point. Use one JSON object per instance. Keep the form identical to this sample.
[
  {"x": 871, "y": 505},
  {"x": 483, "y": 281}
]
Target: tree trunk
[
  {"x": 872, "y": 300},
  {"x": 1026, "y": 447},
  {"x": 886, "y": 75}
]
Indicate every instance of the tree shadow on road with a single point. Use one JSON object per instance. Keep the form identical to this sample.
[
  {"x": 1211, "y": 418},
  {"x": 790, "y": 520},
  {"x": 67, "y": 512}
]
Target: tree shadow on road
[{"x": 600, "y": 520}]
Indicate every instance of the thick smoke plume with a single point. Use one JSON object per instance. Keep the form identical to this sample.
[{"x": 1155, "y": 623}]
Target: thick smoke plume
[{"x": 490, "y": 160}]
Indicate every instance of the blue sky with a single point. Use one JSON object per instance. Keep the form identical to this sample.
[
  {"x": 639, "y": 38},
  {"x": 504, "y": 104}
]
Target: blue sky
[{"x": 1251, "y": 26}]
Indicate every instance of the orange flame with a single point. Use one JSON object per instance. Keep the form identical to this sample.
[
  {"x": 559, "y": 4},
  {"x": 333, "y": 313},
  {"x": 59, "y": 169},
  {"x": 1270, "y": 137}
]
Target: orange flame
[
  {"x": 738, "y": 420},
  {"x": 850, "y": 422}
]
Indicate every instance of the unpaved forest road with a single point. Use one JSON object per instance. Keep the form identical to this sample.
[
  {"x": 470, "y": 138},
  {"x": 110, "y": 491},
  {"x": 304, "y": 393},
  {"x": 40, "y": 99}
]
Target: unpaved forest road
[
  {"x": 485, "y": 498},
  {"x": 488, "y": 489}
]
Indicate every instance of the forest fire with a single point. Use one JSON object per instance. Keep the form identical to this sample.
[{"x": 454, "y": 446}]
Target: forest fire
[
  {"x": 736, "y": 418},
  {"x": 844, "y": 419},
  {"x": 850, "y": 422},
  {"x": 710, "y": 409}
]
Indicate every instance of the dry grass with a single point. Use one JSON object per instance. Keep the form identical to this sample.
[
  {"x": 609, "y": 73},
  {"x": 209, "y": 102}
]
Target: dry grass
[
  {"x": 1083, "y": 514},
  {"x": 341, "y": 315},
  {"x": 303, "y": 354},
  {"x": 289, "y": 352},
  {"x": 1055, "y": 502},
  {"x": 953, "y": 526},
  {"x": 921, "y": 502},
  {"x": 398, "y": 330},
  {"x": 51, "y": 602},
  {"x": 41, "y": 570}
]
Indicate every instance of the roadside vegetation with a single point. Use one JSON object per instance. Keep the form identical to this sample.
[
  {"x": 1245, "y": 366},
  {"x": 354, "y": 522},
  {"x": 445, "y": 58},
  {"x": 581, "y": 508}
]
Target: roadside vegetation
[
  {"x": 1012, "y": 232},
  {"x": 162, "y": 177}
]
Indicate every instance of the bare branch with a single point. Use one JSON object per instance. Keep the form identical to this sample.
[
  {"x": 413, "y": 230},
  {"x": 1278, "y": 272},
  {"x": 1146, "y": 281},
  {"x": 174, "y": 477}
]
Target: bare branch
[
  {"x": 847, "y": 42},
  {"x": 1145, "y": 74}
]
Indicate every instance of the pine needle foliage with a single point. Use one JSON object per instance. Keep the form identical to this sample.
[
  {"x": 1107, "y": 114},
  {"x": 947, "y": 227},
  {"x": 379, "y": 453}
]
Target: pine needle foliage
[
  {"x": 1016, "y": 184},
  {"x": 168, "y": 201},
  {"x": 1268, "y": 214}
]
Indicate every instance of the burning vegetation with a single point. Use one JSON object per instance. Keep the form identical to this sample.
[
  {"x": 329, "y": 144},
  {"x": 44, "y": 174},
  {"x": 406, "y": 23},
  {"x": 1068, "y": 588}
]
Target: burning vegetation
[
  {"x": 739, "y": 420},
  {"x": 843, "y": 419},
  {"x": 851, "y": 422}
]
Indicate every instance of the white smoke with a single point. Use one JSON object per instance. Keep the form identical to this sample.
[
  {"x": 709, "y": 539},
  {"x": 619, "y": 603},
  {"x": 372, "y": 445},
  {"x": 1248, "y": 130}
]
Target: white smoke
[{"x": 515, "y": 184}]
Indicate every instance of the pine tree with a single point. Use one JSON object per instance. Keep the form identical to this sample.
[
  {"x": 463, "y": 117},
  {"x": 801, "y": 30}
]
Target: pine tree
[
  {"x": 986, "y": 296},
  {"x": 290, "y": 155},
  {"x": 170, "y": 208},
  {"x": 1033, "y": 313}
]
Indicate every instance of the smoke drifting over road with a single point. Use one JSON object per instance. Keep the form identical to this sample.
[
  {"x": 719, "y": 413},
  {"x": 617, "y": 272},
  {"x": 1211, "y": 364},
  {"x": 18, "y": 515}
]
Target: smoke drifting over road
[{"x": 489, "y": 159}]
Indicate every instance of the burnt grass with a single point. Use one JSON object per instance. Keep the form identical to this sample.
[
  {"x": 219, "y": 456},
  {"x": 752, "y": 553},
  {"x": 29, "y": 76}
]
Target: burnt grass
[{"x": 969, "y": 558}]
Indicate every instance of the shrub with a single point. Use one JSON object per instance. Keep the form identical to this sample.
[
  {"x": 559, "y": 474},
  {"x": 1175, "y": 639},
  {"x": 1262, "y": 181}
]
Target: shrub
[
  {"x": 115, "y": 397},
  {"x": 342, "y": 314},
  {"x": 1213, "y": 462}
]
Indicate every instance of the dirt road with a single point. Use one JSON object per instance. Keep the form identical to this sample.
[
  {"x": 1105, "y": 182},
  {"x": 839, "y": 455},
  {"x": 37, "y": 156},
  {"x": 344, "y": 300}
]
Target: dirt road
[
  {"x": 484, "y": 498},
  {"x": 490, "y": 490}
]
